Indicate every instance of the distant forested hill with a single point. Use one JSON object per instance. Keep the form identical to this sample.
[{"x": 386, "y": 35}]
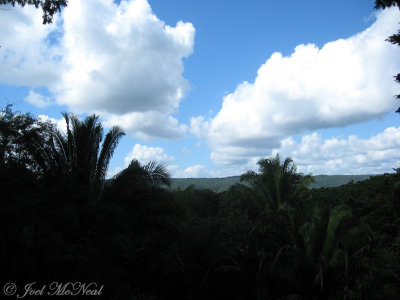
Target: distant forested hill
[
  {"x": 336, "y": 180},
  {"x": 222, "y": 184},
  {"x": 214, "y": 184}
]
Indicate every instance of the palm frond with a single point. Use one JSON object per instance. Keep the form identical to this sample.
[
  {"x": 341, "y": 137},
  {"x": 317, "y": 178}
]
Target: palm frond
[
  {"x": 158, "y": 173},
  {"x": 337, "y": 215},
  {"x": 110, "y": 143}
]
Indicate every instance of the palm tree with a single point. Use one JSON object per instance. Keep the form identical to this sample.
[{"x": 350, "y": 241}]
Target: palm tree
[
  {"x": 80, "y": 157},
  {"x": 137, "y": 182},
  {"x": 152, "y": 174},
  {"x": 276, "y": 184},
  {"x": 321, "y": 242},
  {"x": 318, "y": 265},
  {"x": 140, "y": 190},
  {"x": 276, "y": 197}
]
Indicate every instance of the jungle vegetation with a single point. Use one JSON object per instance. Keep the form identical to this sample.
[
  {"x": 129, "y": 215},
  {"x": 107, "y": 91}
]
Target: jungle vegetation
[{"x": 268, "y": 236}]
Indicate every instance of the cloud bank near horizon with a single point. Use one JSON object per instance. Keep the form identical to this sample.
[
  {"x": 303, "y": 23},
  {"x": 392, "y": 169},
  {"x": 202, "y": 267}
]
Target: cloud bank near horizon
[
  {"x": 313, "y": 154},
  {"x": 351, "y": 155}
]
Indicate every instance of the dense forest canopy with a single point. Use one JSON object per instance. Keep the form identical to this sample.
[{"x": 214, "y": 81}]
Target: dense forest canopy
[{"x": 266, "y": 237}]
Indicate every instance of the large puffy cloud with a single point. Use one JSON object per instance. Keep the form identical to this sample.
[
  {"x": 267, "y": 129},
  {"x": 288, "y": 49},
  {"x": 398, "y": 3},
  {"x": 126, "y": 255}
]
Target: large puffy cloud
[
  {"x": 351, "y": 155},
  {"x": 344, "y": 82},
  {"x": 27, "y": 55},
  {"x": 99, "y": 56},
  {"x": 121, "y": 58}
]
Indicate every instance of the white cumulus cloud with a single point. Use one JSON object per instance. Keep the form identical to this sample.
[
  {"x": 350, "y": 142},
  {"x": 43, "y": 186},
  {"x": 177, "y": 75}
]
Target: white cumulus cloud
[
  {"x": 145, "y": 154},
  {"x": 27, "y": 56},
  {"x": 37, "y": 99},
  {"x": 122, "y": 58},
  {"x": 99, "y": 56},
  {"x": 344, "y": 82},
  {"x": 352, "y": 155}
]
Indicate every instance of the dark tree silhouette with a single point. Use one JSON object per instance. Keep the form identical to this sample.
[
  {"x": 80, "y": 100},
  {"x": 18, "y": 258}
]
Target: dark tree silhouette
[
  {"x": 78, "y": 155},
  {"x": 276, "y": 183},
  {"x": 395, "y": 38},
  {"x": 49, "y": 7},
  {"x": 386, "y": 3},
  {"x": 23, "y": 142}
]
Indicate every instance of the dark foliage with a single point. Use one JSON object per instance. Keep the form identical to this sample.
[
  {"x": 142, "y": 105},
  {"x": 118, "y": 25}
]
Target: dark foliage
[
  {"x": 223, "y": 184},
  {"x": 271, "y": 238},
  {"x": 386, "y": 3},
  {"x": 49, "y": 7},
  {"x": 395, "y": 38}
]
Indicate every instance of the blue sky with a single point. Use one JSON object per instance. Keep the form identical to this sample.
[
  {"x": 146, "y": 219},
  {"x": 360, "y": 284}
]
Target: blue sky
[{"x": 210, "y": 87}]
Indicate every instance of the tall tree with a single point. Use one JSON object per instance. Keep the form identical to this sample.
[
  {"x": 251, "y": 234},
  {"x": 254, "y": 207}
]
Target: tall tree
[
  {"x": 386, "y": 3},
  {"x": 395, "y": 38},
  {"x": 276, "y": 194},
  {"x": 23, "y": 142},
  {"x": 138, "y": 179},
  {"x": 49, "y": 7},
  {"x": 276, "y": 183},
  {"x": 78, "y": 154}
]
